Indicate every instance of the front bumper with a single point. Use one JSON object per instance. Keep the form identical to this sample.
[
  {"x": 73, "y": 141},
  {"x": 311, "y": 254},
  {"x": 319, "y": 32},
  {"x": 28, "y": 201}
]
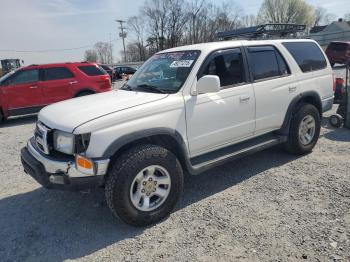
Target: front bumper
[{"x": 60, "y": 174}]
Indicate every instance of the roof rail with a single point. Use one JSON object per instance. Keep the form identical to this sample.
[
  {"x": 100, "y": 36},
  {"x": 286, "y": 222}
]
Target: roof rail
[{"x": 262, "y": 31}]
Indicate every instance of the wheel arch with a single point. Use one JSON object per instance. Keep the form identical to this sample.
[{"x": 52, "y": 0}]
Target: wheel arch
[
  {"x": 170, "y": 139},
  {"x": 309, "y": 97},
  {"x": 83, "y": 90}
]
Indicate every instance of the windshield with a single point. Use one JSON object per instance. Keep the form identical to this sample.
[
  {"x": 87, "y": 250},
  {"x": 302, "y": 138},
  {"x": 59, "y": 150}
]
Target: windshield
[{"x": 163, "y": 73}]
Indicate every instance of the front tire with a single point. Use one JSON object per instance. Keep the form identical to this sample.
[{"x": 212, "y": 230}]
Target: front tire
[
  {"x": 304, "y": 130},
  {"x": 2, "y": 118},
  {"x": 144, "y": 184}
]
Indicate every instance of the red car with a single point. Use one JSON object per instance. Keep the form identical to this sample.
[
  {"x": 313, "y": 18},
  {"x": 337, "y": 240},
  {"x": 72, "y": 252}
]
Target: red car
[
  {"x": 338, "y": 52},
  {"x": 30, "y": 88}
]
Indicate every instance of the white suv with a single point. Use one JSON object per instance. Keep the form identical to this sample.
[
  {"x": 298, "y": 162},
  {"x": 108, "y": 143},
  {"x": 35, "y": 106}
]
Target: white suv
[{"x": 185, "y": 110}]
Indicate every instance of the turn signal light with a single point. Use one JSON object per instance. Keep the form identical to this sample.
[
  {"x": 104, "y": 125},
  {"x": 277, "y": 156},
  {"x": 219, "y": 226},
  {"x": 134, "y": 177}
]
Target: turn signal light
[{"x": 84, "y": 165}]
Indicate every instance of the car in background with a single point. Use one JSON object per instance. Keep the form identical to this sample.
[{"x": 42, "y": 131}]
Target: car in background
[
  {"x": 108, "y": 69},
  {"x": 338, "y": 52},
  {"x": 28, "y": 89},
  {"x": 119, "y": 71}
]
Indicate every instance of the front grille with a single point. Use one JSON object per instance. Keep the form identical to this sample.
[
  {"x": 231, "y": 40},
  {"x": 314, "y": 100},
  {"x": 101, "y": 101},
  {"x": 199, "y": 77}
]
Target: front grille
[{"x": 41, "y": 136}]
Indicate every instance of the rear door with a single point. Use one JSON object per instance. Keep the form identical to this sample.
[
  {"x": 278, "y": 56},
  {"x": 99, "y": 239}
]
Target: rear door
[
  {"x": 23, "y": 93},
  {"x": 273, "y": 86},
  {"x": 57, "y": 84}
]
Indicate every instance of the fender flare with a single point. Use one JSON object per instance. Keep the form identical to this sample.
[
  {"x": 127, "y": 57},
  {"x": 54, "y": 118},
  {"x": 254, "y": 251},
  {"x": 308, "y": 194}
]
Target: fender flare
[
  {"x": 141, "y": 134},
  {"x": 293, "y": 106},
  {"x": 85, "y": 89}
]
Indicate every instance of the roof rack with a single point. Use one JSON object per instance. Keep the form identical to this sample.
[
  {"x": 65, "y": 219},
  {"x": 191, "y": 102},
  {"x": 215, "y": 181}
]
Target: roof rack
[{"x": 262, "y": 31}]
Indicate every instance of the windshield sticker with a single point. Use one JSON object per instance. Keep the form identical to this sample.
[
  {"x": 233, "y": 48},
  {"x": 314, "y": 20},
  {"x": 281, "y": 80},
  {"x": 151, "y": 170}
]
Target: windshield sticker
[{"x": 181, "y": 63}]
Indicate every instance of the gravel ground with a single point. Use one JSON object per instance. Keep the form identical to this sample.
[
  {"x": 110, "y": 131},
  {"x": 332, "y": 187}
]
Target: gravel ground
[{"x": 270, "y": 206}]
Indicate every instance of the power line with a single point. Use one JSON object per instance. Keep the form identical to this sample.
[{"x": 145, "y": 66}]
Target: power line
[{"x": 49, "y": 50}]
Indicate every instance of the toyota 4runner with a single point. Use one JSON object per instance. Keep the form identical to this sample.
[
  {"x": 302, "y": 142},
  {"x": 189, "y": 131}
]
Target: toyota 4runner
[{"x": 187, "y": 109}]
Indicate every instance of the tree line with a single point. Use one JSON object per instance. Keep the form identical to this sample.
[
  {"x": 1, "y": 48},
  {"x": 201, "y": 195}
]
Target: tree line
[{"x": 163, "y": 24}]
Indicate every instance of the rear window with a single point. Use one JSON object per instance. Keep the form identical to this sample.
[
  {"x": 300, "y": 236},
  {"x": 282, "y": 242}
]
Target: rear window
[
  {"x": 307, "y": 54},
  {"x": 340, "y": 47},
  {"x": 56, "y": 73},
  {"x": 92, "y": 70}
]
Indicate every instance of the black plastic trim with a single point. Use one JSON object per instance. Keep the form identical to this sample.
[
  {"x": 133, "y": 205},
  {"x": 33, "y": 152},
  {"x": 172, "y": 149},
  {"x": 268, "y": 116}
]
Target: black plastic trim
[
  {"x": 126, "y": 139},
  {"x": 292, "y": 107},
  {"x": 25, "y": 110}
]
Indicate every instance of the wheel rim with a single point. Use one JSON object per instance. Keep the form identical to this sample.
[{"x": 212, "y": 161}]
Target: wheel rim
[
  {"x": 307, "y": 130},
  {"x": 150, "y": 188}
]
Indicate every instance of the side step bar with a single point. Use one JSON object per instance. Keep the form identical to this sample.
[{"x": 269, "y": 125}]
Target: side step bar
[{"x": 217, "y": 157}]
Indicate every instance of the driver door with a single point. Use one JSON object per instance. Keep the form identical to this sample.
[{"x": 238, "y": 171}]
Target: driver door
[
  {"x": 23, "y": 92},
  {"x": 216, "y": 120}
]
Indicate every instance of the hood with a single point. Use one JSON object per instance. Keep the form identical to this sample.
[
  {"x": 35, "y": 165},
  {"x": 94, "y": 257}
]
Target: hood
[{"x": 69, "y": 114}]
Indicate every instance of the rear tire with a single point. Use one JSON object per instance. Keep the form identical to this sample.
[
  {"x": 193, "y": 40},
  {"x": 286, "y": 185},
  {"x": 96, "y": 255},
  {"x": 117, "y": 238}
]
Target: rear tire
[
  {"x": 130, "y": 192},
  {"x": 304, "y": 130},
  {"x": 336, "y": 120}
]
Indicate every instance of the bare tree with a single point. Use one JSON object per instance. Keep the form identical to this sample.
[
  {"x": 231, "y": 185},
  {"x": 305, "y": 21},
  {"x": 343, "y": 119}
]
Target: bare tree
[
  {"x": 90, "y": 55},
  {"x": 104, "y": 52},
  {"x": 137, "y": 25},
  {"x": 157, "y": 13},
  {"x": 322, "y": 17},
  {"x": 195, "y": 7},
  {"x": 286, "y": 11},
  {"x": 176, "y": 22},
  {"x": 248, "y": 21}
]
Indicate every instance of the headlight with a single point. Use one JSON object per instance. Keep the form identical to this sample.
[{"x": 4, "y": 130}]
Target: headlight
[{"x": 63, "y": 142}]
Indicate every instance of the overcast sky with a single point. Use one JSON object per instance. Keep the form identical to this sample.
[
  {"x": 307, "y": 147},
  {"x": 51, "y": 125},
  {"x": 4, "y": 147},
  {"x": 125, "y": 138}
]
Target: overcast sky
[{"x": 64, "y": 24}]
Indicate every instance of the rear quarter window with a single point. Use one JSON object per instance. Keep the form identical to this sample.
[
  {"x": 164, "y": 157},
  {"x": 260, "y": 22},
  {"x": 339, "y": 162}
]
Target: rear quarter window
[
  {"x": 92, "y": 70},
  {"x": 308, "y": 55}
]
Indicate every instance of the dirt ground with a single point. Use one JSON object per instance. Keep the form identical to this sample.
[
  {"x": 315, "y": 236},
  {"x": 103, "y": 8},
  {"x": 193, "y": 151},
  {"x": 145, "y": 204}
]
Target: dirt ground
[{"x": 270, "y": 206}]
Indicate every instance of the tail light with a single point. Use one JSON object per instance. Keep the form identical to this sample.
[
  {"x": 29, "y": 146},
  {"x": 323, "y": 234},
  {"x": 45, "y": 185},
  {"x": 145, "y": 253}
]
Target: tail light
[
  {"x": 104, "y": 82},
  {"x": 334, "y": 83},
  {"x": 339, "y": 84}
]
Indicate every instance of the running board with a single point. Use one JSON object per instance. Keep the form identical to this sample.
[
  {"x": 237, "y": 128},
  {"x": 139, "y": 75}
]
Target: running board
[{"x": 217, "y": 157}]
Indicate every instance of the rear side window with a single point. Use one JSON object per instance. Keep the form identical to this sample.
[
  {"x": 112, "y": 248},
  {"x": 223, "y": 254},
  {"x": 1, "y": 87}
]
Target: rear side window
[
  {"x": 228, "y": 66},
  {"x": 92, "y": 70},
  {"x": 25, "y": 76},
  {"x": 56, "y": 73},
  {"x": 307, "y": 54},
  {"x": 263, "y": 61}
]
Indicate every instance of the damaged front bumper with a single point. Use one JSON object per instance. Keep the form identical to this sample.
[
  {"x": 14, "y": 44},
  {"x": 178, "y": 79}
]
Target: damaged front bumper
[{"x": 60, "y": 173}]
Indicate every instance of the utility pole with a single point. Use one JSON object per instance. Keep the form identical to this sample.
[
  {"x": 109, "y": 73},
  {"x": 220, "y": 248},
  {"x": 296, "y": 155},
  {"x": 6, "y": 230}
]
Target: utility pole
[{"x": 122, "y": 34}]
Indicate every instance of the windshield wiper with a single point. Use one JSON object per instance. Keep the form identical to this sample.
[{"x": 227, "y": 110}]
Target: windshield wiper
[{"x": 151, "y": 88}]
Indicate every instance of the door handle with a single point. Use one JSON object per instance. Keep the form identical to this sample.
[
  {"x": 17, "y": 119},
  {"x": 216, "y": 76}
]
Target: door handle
[
  {"x": 73, "y": 82},
  {"x": 292, "y": 88},
  {"x": 243, "y": 99},
  {"x": 33, "y": 87}
]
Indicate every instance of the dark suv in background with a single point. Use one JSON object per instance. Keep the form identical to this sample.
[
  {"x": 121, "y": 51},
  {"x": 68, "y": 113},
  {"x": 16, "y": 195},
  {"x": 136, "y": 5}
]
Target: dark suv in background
[
  {"x": 30, "y": 88},
  {"x": 338, "y": 52},
  {"x": 119, "y": 71}
]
